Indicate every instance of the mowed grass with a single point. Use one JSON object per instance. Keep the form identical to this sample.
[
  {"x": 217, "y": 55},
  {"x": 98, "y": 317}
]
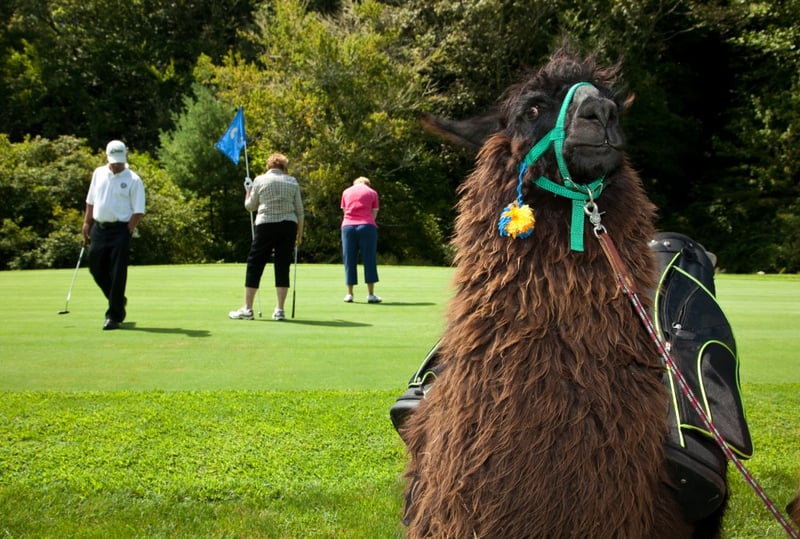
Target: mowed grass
[
  {"x": 177, "y": 335},
  {"x": 187, "y": 424}
]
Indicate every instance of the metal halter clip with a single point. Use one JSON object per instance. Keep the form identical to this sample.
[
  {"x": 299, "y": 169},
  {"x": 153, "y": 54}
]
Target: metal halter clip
[{"x": 591, "y": 209}]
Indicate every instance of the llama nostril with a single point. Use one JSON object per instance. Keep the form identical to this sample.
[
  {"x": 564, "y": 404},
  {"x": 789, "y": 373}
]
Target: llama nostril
[{"x": 601, "y": 110}]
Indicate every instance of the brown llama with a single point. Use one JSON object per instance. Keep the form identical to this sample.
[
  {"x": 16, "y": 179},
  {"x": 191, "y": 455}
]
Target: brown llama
[
  {"x": 793, "y": 508},
  {"x": 550, "y": 415}
]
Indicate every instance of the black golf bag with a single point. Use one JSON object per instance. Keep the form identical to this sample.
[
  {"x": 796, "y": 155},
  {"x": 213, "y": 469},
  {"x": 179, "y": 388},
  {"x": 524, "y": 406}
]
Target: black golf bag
[{"x": 700, "y": 339}]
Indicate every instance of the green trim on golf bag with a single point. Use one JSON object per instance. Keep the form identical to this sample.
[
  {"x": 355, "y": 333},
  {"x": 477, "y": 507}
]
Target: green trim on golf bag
[
  {"x": 697, "y": 331},
  {"x": 701, "y": 341}
]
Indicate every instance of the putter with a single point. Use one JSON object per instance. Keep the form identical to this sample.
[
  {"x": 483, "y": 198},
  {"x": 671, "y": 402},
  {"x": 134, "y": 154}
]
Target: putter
[
  {"x": 75, "y": 274},
  {"x": 294, "y": 287}
]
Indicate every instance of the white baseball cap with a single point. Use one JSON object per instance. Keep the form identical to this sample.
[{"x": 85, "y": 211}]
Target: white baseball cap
[{"x": 116, "y": 152}]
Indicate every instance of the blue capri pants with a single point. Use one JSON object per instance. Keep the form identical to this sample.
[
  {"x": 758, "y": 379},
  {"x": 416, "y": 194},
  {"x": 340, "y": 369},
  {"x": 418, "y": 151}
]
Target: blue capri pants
[{"x": 363, "y": 239}]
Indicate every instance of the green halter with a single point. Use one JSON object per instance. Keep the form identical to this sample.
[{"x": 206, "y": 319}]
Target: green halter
[{"x": 579, "y": 194}]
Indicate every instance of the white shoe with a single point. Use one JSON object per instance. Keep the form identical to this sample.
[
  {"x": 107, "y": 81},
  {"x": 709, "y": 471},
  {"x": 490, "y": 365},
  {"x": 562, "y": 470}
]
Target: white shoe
[
  {"x": 372, "y": 298},
  {"x": 348, "y": 298},
  {"x": 242, "y": 314},
  {"x": 278, "y": 314}
]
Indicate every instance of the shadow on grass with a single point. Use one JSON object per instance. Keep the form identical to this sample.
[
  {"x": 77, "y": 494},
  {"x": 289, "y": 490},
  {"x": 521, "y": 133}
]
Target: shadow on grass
[
  {"x": 324, "y": 323},
  {"x": 131, "y": 326},
  {"x": 385, "y": 303},
  {"x": 407, "y": 304}
]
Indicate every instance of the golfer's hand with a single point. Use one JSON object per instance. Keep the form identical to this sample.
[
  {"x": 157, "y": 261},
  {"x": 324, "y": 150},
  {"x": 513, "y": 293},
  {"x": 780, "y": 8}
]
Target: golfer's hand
[{"x": 248, "y": 183}]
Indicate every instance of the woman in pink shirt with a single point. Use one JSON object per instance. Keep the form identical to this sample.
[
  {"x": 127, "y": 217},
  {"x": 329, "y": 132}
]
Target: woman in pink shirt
[{"x": 360, "y": 234}]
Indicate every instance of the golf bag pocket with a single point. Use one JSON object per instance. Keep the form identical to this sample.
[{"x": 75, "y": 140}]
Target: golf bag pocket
[
  {"x": 419, "y": 384},
  {"x": 702, "y": 345}
]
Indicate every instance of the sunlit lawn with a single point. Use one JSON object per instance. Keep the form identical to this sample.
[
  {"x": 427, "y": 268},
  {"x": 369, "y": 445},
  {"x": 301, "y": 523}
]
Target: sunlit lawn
[{"x": 187, "y": 424}]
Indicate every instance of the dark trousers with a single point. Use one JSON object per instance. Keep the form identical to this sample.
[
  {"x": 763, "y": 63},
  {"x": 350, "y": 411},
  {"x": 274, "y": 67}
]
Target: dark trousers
[
  {"x": 364, "y": 239},
  {"x": 269, "y": 238},
  {"x": 109, "y": 251}
]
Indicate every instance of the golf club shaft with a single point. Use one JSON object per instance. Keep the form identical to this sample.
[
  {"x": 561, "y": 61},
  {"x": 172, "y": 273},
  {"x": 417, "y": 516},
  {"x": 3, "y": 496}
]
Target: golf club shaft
[
  {"x": 74, "y": 275},
  {"x": 294, "y": 284}
]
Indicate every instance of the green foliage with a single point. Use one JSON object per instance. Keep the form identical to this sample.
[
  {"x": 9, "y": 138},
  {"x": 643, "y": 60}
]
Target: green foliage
[
  {"x": 44, "y": 185},
  {"x": 173, "y": 230},
  {"x": 191, "y": 161},
  {"x": 17, "y": 245},
  {"x": 751, "y": 224},
  {"x": 336, "y": 97},
  {"x": 103, "y": 69},
  {"x": 338, "y": 85}
]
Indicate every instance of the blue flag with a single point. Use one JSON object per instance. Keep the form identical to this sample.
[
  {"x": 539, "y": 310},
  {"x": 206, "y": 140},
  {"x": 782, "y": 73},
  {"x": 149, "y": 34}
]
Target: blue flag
[{"x": 234, "y": 139}]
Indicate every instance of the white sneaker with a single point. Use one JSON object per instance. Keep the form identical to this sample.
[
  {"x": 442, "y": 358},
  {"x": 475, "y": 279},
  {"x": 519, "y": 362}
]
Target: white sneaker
[
  {"x": 278, "y": 314},
  {"x": 348, "y": 298},
  {"x": 242, "y": 314},
  {"x": 372, "y": 298}
]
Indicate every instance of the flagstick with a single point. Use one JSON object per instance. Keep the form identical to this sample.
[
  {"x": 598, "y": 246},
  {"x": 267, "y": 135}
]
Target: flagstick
[{"x": 252, "y": 221}]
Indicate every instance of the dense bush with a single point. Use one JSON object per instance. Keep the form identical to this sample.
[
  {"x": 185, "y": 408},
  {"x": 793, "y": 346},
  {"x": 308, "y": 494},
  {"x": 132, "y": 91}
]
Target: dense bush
[{"x": 43, "y": 186}]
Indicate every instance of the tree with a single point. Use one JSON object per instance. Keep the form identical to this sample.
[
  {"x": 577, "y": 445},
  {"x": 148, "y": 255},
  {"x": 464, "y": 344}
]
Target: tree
[
  {"x": 172, "y": 230},
  {"x": 105, "y": 69},
  {"x": 750, "y": 222},
  {"x": 335, "y": 96},
  {"x": 190, "y": 159}
]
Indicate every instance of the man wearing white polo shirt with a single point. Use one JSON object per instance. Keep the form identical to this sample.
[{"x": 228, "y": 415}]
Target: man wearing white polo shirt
[{"x": 114, "y": 206}]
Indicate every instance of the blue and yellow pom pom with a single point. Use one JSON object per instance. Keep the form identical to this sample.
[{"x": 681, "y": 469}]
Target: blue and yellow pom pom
[{"x": 516, "y": 221}]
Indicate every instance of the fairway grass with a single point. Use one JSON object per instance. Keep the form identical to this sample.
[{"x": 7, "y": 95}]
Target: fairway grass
[
  {"x": 178, "y": 336},
  {"x": 188, "y": 424}
]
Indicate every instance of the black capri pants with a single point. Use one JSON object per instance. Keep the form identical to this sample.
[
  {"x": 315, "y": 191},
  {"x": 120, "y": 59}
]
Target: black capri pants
[{"x": 271, "y": 239}]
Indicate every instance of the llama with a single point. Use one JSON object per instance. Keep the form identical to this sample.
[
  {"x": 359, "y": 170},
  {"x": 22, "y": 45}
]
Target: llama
[
  {"x": 793, "y": 508},
  {"x": 550, "y": 415}
]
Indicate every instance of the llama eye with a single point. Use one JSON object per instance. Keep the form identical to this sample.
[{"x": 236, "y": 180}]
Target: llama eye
[{"x": 533, "y": 112}]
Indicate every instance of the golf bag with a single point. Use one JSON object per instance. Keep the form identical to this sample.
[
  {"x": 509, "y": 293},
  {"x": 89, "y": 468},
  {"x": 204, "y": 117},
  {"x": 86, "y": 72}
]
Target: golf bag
[{"x": 697, "y": 332}]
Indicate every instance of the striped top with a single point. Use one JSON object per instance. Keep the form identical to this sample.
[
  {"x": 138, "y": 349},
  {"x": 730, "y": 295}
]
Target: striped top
[{"x": 276, "y": 196}]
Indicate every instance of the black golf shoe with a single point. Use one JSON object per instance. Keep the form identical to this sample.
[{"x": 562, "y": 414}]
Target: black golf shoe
[{"x": 110, "y": 324}]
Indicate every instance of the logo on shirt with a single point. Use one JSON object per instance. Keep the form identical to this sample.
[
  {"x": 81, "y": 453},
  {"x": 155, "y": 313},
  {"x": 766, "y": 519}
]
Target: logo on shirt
[{"x": 124, "y": 185}]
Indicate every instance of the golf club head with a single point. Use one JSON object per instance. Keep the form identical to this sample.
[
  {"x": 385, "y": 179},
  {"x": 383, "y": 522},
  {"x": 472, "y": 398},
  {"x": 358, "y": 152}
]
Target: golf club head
[{"x": 63, "y": 312}]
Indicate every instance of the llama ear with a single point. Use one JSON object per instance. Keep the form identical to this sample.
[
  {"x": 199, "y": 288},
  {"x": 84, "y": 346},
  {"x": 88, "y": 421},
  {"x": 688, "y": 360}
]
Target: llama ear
[{"x": 470, "y": 133}]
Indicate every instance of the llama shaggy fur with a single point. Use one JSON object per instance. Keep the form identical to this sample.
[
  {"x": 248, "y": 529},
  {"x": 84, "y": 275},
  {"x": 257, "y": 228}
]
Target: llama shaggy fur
[
  {"x": 550, "y": 415},
  {"x": 793, "y": 508}
]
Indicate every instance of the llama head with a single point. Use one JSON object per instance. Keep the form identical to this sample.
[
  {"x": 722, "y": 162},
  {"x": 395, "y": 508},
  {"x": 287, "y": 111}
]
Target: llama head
[
  {"x": 557, "y": 130},
  {"x": 528, "y": 111},
  {"x": 568, "y": 117}
]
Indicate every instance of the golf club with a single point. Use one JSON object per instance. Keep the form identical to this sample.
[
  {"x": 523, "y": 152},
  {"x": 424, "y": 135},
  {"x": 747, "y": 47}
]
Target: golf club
[
  {"x": 294, "y": 284},
  {"x": 75, "y": 274}
]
